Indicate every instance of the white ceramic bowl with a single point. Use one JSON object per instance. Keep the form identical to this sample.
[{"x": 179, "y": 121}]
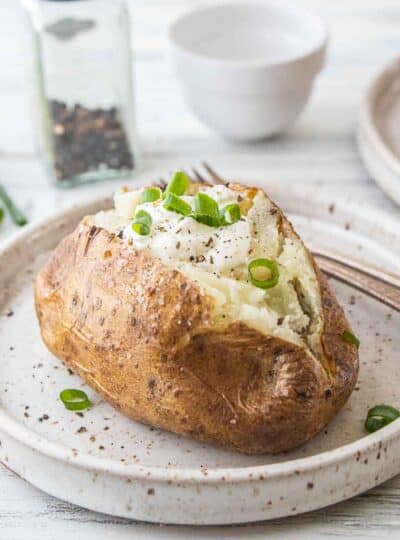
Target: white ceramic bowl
[{"x": 247, "y": 68}]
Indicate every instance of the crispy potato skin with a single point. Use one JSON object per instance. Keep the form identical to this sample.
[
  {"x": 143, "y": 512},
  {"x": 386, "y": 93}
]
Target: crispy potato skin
[{"x": 142, "y": 335}]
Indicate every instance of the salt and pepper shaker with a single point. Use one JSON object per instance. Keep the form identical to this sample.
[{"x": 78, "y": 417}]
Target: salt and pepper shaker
[{"x": 82, "y": 89}]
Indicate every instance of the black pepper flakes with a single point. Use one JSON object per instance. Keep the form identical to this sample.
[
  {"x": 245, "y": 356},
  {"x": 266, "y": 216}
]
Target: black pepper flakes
[
  {"x": 87, "y": 140},
  {"x": 210, "y": 242}
]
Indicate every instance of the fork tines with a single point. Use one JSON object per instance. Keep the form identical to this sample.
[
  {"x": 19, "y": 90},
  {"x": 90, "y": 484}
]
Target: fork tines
[{"x": 212, "y": 177}]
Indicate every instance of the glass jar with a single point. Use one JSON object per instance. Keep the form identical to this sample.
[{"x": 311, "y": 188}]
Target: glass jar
[{"x": 83, "y": 101}]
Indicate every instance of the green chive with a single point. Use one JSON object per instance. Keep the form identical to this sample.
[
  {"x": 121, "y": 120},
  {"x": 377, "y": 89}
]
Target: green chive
[
  {"x": 206, "y": 210},
  {"x": 269, "y": 265},
  {"x": 1, "y": 214},
  {"x": 205, "y": 205},
  {"x": 150, "y": 194},
  {"x": 142, "y": 216},
  {"x": 141, "y": 228},
  {"x": 176, "y": 204},
  {"x": 351, "y": 338},
  {"x": 384, "y": 410},
  {"x": 380, "y": 416},
  {"x": 230, "y": 214},
  {"x": 142, "y": 223},
  {"x": 75, "y": 400},
  {"x": 178, "y": 185},
  {"x": 374, "y": 423},
  {"x": 211, "y": 221},
  {"x": 16, "y": 215}
]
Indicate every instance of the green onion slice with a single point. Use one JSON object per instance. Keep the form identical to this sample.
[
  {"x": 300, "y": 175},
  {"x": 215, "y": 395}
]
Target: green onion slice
[
  {"x": 269, "y": 265},
  {"x": 74, "y": 400},
  {"x": 142, "y": 216},
  {"x": 142, "y": 222},
  {"x": 231, "y": 214},
  {"x": 176, "y": 204},
  {"x": 150, "y": 194},
  {"x": 1, "y": 214},
  {"x": 384, "y": 410},
  {"x": 179, "y": 184},
  {"x": 211, "y": 221},
  {"x": 373, "y": 423},
  {"x": 140, "y": 228},
  {"x": 205, "y": 205},
  {"x": 16, "y": 215},
  {"x": 351, "y": 338},
  {"x": 380, "y": 416},
  {"x": 206, "y": 210}
]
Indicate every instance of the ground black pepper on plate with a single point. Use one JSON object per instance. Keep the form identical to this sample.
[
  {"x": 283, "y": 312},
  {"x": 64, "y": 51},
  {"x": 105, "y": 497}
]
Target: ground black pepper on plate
[{"x": 87, "y": 140}]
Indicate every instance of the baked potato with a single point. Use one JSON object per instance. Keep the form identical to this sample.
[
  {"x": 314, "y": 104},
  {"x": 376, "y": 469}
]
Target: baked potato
[{"x": 199, "y": 310}]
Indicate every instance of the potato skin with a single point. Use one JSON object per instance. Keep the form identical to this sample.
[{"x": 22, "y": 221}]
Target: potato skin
[{"x": 142, "y": 335}]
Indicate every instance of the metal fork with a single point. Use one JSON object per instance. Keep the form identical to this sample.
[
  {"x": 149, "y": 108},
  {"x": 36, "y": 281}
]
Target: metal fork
[{"x": 374, "y": 282}]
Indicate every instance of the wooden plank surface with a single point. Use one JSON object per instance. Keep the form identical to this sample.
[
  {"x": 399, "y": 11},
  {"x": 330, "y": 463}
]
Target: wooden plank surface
[{"x": 318, "y": 153}]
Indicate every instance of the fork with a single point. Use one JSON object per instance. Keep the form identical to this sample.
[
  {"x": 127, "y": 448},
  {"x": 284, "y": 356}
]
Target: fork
[{"x": 374, "y": 282}]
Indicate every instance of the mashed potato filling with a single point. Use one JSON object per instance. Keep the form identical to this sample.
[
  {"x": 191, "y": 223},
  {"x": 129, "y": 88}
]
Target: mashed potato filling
[{"x": 217, "y": 258}]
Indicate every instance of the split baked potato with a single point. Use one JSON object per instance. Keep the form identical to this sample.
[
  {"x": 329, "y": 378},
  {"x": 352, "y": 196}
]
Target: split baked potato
[{"x": 200, "y": 311}]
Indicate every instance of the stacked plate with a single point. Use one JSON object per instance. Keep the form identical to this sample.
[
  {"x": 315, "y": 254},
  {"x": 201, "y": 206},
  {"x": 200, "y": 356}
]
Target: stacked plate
[{"x": 379, "y": 130}]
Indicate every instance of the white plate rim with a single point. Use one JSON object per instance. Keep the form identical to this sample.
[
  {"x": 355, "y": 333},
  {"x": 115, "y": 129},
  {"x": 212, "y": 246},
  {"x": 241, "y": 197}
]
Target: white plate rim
[{"x": 231, "y": 475}]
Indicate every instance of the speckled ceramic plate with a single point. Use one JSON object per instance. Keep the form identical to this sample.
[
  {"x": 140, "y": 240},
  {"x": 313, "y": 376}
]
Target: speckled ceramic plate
[
  {"x": 379, "y": 130},
  {"x": 103, "y": 461}
]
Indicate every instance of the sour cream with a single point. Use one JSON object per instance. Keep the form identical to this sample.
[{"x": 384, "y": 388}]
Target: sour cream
[{"x": 175, "y": 238}]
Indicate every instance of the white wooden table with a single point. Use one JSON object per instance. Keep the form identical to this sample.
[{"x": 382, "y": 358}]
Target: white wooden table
[{"x": 319, "y": 153}]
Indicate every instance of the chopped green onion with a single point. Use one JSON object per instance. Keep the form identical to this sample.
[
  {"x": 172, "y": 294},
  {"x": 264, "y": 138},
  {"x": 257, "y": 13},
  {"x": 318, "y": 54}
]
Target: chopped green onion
[
  {"x": 150, "y": 194},
  {"x": 74, "y": 400},
  {"x": 205, "y": 205},
  {"x": 179, "y": 184},
  {"x": 211, "y": 221},
  {"x": 351, "y": 338},
  {"x": 176, "y": 204},
  {"x": 231, "y": 213},
  {"x": 141, "y": 228},
  {"x": 380, "y": 416},
  {"x": 142, "y": 223},
  {"x": 142, "y": 216},
  {"x": 373, "y": 423},
  {"x": 269, "y": 265},
  {"x": 16, "y": 215},
  {"x": 384, "y": 410},
  {"x": 206, "y": 210},
  {"x": 1, "y": 214}
]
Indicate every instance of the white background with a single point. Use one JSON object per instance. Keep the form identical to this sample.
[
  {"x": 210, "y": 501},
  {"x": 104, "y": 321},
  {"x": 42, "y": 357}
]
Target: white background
[{"x": 319, "y": 153}]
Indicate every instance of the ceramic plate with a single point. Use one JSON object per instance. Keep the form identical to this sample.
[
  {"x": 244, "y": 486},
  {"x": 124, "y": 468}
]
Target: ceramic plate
[
  {"x": 105, "y": 462},
  {"x": 379, "y": 130}
]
